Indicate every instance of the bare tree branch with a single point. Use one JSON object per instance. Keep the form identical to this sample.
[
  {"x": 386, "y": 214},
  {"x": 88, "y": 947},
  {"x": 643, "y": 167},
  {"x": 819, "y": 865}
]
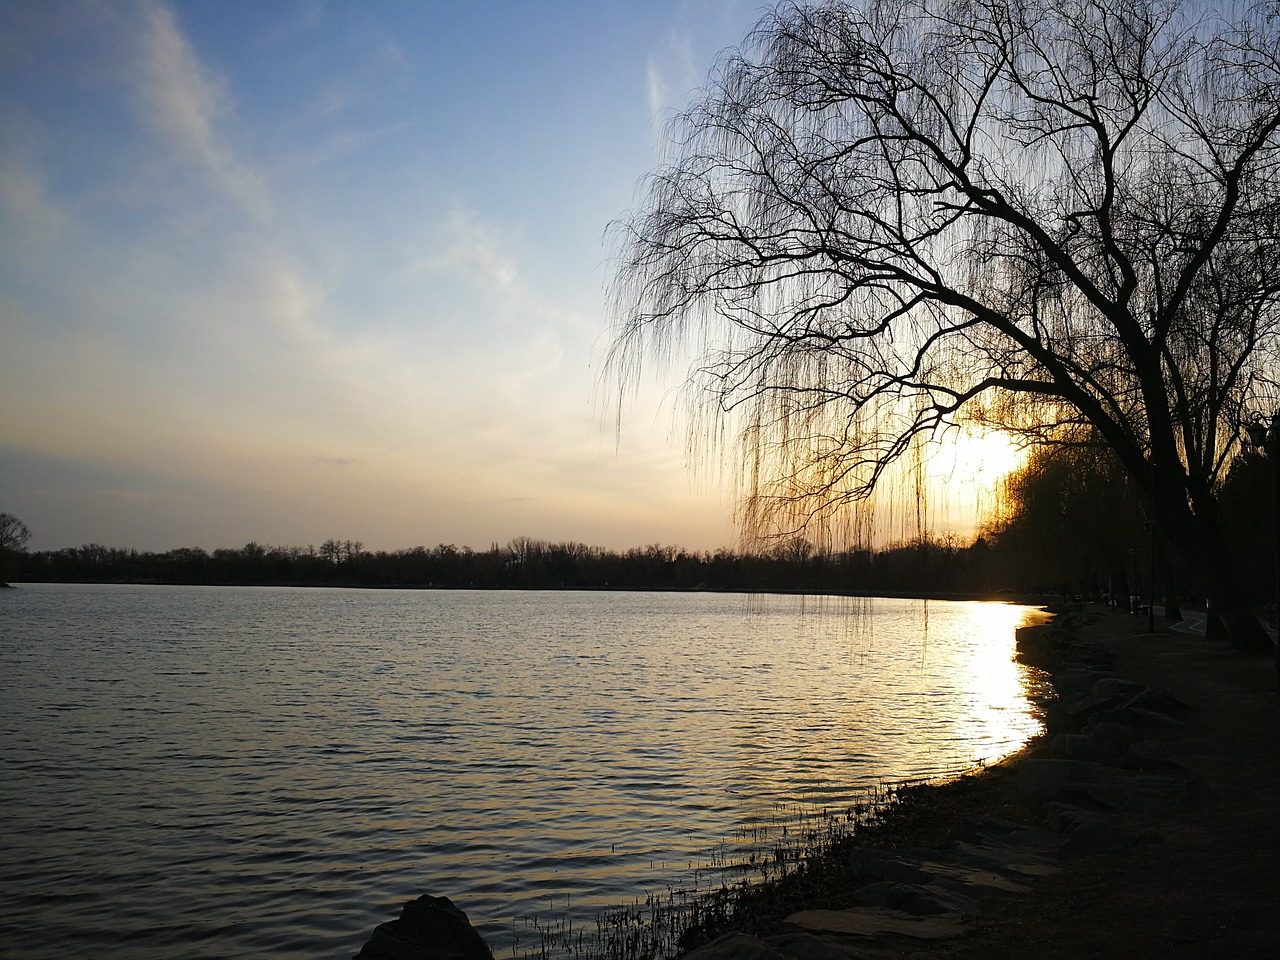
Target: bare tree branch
[{"x": 886, "y": 217}]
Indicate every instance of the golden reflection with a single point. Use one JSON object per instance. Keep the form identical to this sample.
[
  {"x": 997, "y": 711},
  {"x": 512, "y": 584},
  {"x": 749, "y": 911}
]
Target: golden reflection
[
  {"x": 1001, "y": 714},
  {"x": 845, "y": 691}
]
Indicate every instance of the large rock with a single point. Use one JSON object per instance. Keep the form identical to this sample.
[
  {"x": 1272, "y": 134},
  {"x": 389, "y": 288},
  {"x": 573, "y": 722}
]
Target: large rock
[
  {"x": 1087, "y": 831},
  {"x": 802, "y": 945},
  {"x": 1093, "y": 784},
  {"x": 735, "y": 946},
  {"x": 1101, "y": 741},
  {"x": 878, "y": 922},
  {"x": 1115, "y": 686},
  {"x": 1042, "y": 644},
  {"x": 1075, "y": 680},
  {"x": 893, "y": 866},
  {"x": 429, "y": 928},
  {"x": 922, "y": 867},
  {"x": 917, "y": 899}
]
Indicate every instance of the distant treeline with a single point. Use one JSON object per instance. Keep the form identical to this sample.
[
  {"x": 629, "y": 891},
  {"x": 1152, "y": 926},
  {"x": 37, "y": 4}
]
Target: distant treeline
[
  {"x": 927, "y": 567},
  {"x": 1070, "y": 523}
]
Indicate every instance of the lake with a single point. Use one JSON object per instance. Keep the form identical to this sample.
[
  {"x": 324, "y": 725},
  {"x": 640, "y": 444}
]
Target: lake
[{"x": 203, "y": 772}]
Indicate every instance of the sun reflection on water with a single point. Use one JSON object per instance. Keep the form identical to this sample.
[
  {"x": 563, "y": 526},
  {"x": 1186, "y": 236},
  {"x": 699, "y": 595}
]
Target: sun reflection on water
[
  {"x": 501, "y": 748},
  {"x": 999, "y": 711}
]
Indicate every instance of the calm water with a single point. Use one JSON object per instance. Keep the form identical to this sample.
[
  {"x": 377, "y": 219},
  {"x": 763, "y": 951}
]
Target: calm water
[{"x": 213, "y": 772}]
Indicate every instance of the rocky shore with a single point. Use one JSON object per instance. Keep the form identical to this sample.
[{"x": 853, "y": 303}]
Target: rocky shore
[{"x": 1145, "y": 822}]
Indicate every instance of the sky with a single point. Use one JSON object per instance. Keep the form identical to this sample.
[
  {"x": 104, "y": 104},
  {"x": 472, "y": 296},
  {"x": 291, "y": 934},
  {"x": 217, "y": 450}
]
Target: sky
[{"x": 281, "y": 272}]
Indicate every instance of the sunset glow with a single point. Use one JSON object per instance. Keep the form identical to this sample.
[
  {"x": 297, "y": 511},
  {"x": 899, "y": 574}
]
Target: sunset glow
[
  {"x": 963, "y": 474},
  {"x": 282, "y": 272},
  {"x": 257, "y": 293}
]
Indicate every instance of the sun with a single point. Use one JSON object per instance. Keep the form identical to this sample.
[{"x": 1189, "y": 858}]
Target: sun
[
  {"x": 964, "y": 470},
  {"x": 985, "y": 457}
]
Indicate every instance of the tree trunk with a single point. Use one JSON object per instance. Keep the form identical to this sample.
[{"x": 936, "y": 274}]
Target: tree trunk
[
  {"x": 1198, "y": 537},
  {"x": 1229, "y": 617},
  {"x": 1169, "y": 582}
]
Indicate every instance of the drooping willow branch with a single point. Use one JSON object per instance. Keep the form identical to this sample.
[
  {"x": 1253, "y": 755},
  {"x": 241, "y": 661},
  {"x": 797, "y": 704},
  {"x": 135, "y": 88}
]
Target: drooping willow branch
[{"x": 887, "y": 217}]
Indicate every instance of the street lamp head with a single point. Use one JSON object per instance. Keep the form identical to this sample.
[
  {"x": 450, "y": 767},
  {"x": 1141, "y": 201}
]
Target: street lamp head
[{"x": 1256, "y": 432}]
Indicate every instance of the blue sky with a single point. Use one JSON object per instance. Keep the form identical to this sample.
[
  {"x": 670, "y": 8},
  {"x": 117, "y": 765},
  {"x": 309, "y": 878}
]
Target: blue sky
[
  {"x": 291, "y": 270},
  {"x": 296, "y": 270}
]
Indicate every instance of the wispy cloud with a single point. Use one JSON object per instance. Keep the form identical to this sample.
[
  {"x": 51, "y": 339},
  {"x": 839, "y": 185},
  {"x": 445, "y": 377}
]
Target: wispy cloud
[
  {"x": 671, "y": 74},
  {"x": 699, "y": 31},
  {"x": 185, "y": 101},
  {"x": 466, "y": 246},
  {"x": 33, "y": 222}
]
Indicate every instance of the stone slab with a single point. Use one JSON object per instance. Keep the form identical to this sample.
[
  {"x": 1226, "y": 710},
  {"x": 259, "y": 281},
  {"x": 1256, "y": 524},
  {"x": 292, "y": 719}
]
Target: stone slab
[{"x": 875, "y": 921}]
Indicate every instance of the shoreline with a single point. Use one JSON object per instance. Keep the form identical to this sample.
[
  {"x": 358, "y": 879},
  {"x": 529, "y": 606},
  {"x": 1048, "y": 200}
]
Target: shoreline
[
  {"x": 1188, "y": 871},
  {"x": 754, "y": 892},
  {"x": 1141, "y": 822}
]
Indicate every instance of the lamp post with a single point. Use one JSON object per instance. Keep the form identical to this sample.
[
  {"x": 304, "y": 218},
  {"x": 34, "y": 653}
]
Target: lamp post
[
  {"x": 1264, "y": 435},
  {"x": 1151, "y": 578}
]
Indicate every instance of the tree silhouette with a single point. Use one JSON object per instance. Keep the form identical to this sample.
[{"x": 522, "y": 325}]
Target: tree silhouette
[
  {"x": 887, "y": 217},
  {"x": 14, "y": 535},
  {"x": 1071, "y": 519}
]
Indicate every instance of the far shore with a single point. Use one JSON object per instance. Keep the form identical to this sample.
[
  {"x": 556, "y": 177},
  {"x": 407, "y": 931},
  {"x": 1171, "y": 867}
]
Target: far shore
[{"x": 1003, "y": 596}]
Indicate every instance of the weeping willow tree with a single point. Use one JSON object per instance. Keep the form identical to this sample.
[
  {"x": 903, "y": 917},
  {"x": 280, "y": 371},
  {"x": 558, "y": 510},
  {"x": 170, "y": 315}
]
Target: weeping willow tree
[{"x": 886, "y": 218}]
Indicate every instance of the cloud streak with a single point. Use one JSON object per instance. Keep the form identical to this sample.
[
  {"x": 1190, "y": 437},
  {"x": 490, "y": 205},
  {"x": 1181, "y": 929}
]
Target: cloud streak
[{"x": 184, "y": 101}]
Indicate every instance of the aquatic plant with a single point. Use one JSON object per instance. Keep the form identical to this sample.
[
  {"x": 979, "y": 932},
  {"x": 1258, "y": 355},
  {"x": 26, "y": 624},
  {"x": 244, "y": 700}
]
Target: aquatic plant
[{"x": 790, "y": 860}]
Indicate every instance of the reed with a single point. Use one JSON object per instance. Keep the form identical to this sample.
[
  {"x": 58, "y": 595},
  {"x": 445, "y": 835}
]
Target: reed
[{"x": 793, "y": 859}]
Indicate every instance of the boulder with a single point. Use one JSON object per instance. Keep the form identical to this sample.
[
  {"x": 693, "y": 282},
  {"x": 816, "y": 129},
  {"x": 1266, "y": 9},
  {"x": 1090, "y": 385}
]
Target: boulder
[
  {"x": 1157, "y": 752},
  {"x": 915, "y": 899},
  {"x": 1101, "y": 741},
  {"x": 877, "y": 922},
  {"x": 923, "y": 867},
  {"x": 429, "y": 928},
  {"x": 1110, "y": 739},
  {"x": 1071, "y": 746},
  {"x": 1076, "y": 680},
  {"x": 1041, "y": 644},
  {"x": 1133, "y": 716},
  {"x": 801, "y": 945},
  {"x": 1066, "y": 818},
  {"x": 1093, "y": 784},
  {"x": 1009, "y": 834},
  {"x": 1099, "y": 837},
  {"x": 1057, "y": 719},
  {"x": 1083, "y": 707},
  {"x": 1087, "y": 831},
  {"x": 735, "y": 946},
  {"x": 1115, "y": 686},
  {"x": 874, "y": 863},
  {"x": 1154, "y": 700}
]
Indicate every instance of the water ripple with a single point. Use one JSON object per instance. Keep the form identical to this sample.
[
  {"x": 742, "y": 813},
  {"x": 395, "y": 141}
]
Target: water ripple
[{"x": 209, "y": 772}]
